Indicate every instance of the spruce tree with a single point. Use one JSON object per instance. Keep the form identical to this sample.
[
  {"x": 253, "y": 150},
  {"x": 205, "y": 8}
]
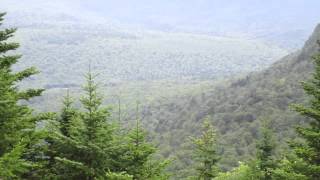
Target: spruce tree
[
  {"x": 265, "y": 153},
  {"x": 78, "y": 142},
  {"x": 139, "y": 152},
  {"x": 138, "y": 155},
  {"x": 309, "y": 151},
  {"x": 67, "y": 116},
  {"x": 64, "y": 143},
  {"x": 16, "y": 120},
  {"x": 98, "y": 132},
  {"x": 80, "y": 147},
  {"x": 206, "y": 153},
  {"x": 12, "y": 165}
]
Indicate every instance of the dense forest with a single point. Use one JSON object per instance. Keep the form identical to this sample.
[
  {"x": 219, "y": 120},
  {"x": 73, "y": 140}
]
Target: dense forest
[
  {"x": 263, "y": 126},
  {"x": 237, "y": 109},
  {"x": 130, "y": 60}
]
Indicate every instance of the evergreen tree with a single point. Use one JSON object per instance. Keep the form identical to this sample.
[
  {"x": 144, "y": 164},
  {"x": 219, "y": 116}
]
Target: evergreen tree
[
  {"x": 137, "y": 160},
  {"x": 80, "y": 146},
  {"x": 12, "y": 165},
  {"x": 139, "y": 151},
  {"x": 16, "y": 120},
  {"x": 206, "y": 153},
  {"x": 289, "y": 168},
  {"x": 118, "y": 176},
  {"x": 309, "y": 151},
  {"x": 265, "y": 153},
  {"x": 243, "y": 172},
  {"x": 78, "y": 143},
  {"x": 67, "y": 116},
  {"x": 64, "y": 143},
  {"x": 98, "y": 131}
]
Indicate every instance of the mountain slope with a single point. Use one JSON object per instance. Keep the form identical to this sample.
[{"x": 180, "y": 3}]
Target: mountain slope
[
  {"x": 284, "y": 22},
  {"x": 237, "y": 109},
  {"x": 60, "y": 39}
]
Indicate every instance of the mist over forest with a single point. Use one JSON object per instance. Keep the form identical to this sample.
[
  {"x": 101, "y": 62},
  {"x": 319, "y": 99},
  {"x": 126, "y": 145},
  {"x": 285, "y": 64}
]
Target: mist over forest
[{"x": 161, "y": 89}]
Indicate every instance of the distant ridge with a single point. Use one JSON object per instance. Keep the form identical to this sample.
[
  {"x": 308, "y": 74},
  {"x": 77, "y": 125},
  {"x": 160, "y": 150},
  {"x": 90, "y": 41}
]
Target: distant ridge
[{"x": 238, "y": 108}]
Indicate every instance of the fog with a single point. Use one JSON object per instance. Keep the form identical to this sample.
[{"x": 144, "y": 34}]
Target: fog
[{"x": 273, "y": 20}]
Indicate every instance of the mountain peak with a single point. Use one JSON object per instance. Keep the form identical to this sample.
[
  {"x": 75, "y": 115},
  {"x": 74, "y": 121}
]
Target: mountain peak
[{"x": 311, "y": 45}]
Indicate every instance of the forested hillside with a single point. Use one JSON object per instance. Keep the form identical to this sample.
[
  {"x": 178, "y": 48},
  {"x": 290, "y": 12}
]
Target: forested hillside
[
  {"x": 237, "y": 109},
  {"x": 118, "y": 55},
  {"x": 133, "y": 62},
  {"x": 159, "y": 90}
]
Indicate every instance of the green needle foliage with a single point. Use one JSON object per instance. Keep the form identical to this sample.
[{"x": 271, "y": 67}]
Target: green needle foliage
[
  {"x": 85, "y": 144},
  {"x": 138, "y": 156},
  {"x": 16, "y": 120},
  {"x": 12, "y": 165},
  {"x": 67, "y": 116},
  {"x": 139, "y": 152},
  {"x": 85, "y": 137},
  {"x": 310, "y": 150},
  {"x": 98, "y": 131},
  {"x": 206, "y": 153},
  {"x": 266, "y": 153}
]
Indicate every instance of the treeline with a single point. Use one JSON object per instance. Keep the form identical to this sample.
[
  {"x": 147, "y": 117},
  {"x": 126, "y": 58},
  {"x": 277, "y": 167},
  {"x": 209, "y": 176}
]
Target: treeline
[
  {"x": 86, "y": 143},
  {"x": 77, "y": 143}
]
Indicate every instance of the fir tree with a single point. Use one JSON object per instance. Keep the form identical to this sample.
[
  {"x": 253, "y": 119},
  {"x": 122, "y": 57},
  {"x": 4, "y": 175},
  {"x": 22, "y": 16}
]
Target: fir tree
[
  {"x": 12, "y": 165},
  {"x": 64, "y": 143},
  {"x": 82, "y": 143},
  {"x": 265, "y": 153},
  {"x": 206, "y": 152},
  {"x": 98, "y": 132},
  {"x": 289, "y": 168},
  {"x": 79, "y": 142},
  {"x": 309, "y": 151},
  {"x": 16, "y": 120},
  {"x": 67, "y": 116},
  {"x": 138, "y": 160}
]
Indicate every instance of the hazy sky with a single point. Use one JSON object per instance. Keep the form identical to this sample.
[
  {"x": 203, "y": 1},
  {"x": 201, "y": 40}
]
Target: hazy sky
[
  {"x": 270, "y": 19},
  {"x": 208, "y": 12}
]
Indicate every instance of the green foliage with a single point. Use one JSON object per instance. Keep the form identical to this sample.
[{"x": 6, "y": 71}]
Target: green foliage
[
  {"x": 266, "y": 153},
  {"x": 206, "y": 153},
  {"x": 243, "y": 172},
  {"x": 85, "y": 143},
  {"x": 237, "y": 105},
  {"x": 68, "y": 114},
  {"x": 12, "y": 165},
  {"x": 14, "y": 117},
  {"x": 85, "y": 137},
  {"x": 16, "y": 120},
  {"x": 118, "y": 176},
  {"x": 137, "y": 159},
  {"x": 288, "y": 169},
  {"x": 309, "y": 150},
  {"x": 139, "y": 152},
  {"x": 263, "y": 166}
]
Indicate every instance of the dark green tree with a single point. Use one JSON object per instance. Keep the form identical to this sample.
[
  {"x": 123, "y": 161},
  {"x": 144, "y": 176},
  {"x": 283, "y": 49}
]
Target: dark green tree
[
  {"x": 309, "y": 151},
  {"x": 289, "y": 168},
  {"x": 17, "y": 123},
  {"x": 12, "y": 165},
  {"x": 138, "y": 152},
  {"x": 78, "y": 142},
  {"x": 64, "y": 143},
  {"x": 206, "y": 153},
  {"x": 138, "y": 155},
  {"x": 266, "y": 153},
  {"x": 80, "y": 146},
  {"x": 98, "y": 131},
  {"x": 68, "y": 116}
]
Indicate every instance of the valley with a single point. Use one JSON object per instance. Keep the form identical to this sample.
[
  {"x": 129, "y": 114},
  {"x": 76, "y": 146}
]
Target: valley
[{"x": 168, "y": 67}]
